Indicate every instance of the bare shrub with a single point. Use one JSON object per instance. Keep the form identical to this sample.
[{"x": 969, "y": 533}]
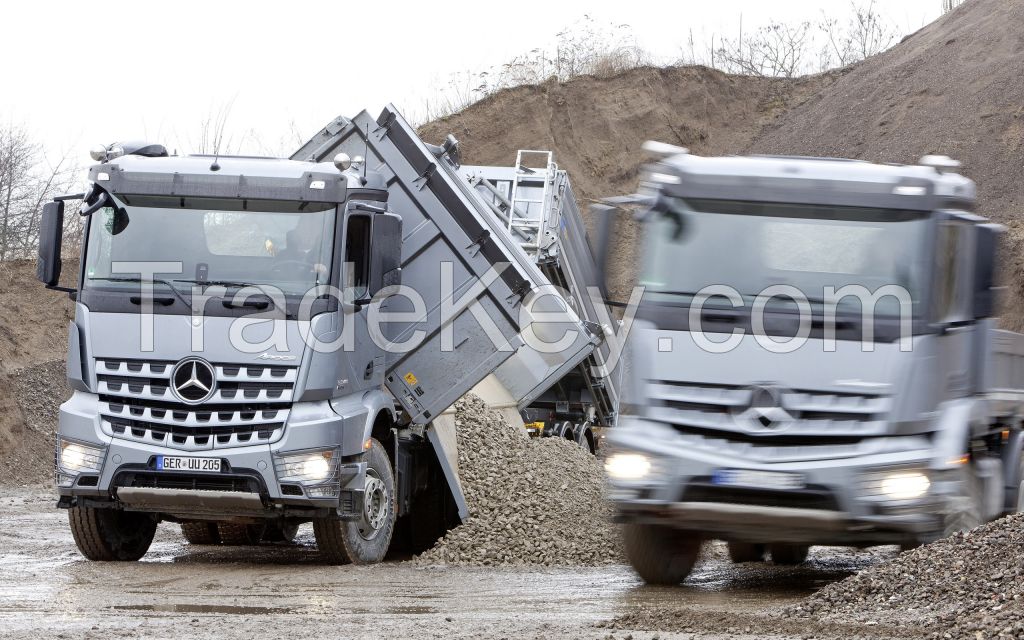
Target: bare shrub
[
  {"x": 863, "y": 35},
  {"x": 778, "y": 50},
  {"x": 585, "y": 48}
]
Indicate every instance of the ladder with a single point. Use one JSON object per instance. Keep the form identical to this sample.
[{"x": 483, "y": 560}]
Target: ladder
[{"x": 529, "y": 215}]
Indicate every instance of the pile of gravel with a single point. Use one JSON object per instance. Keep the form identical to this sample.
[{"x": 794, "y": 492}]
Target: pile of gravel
[
  {"x": 531, "y": 501},
  {"x": 968, "y": 585},
  {"x": 33, "y": 396}
]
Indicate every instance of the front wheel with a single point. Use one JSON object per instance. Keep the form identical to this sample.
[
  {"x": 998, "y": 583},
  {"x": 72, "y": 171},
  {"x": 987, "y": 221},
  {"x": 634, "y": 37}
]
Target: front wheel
[
  {"x": 966, "y": 513},
  {"x": 366, "y": 540},
  {"x": 660, "y": 555},
  {"x": 109, "y": 534}
]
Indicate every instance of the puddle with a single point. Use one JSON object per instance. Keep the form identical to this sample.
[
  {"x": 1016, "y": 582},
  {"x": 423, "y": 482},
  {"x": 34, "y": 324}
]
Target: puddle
[{"x": 205, "y": 608}]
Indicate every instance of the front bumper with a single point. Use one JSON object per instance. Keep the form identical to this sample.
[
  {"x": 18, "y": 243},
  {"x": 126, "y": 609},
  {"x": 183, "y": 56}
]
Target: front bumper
[
  {"x": 247, "y": 484},
  {"x": 836, "y": 505}
]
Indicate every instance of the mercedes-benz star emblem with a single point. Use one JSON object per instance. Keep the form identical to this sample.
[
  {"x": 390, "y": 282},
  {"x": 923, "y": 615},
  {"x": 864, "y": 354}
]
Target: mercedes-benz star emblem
[
  {"x": 193, "y": 380},
  {"x": 765, "y": 409}
]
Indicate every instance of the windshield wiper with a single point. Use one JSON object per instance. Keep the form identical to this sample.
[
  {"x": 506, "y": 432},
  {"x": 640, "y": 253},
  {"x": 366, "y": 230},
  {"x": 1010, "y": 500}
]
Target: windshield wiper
[
  {"x": 166, "y": 283},
  {"x": 257, "y": 303},
  {"x": 220, "y": 283}
]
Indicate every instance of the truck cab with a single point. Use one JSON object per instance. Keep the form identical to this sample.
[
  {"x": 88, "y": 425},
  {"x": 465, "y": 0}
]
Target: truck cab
[
  {"x": 203, "y": 391},
  {"x": 815, "y": 362}
]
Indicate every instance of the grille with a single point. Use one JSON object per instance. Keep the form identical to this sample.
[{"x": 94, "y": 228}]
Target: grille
[
  {"x": 833, "y": 420},
  {"x": 250, "y": 405},
  {"x": 812, "y": 497}
]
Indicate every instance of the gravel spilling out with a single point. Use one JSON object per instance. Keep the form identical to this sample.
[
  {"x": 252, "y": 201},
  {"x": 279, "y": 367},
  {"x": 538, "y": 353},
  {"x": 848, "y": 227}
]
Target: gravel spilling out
[
  {"x": 531, "y": 501},
  {"x": 969, "y": 585}
]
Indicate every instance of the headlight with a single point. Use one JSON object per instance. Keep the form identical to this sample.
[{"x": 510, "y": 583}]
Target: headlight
[
  {"x": 905, "y": 485},
  {"x": 313, "y": 467},
  {"x": 627, "y": 466},
  {"x": 76, "y": 458}
]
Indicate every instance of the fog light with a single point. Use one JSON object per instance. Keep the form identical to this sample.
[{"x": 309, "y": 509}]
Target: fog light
[
  {"x": 307, "y": 468},
  {"x": 906, "y": 485},
  {"x": 627, "y": 466},
  {"x": 318, "y": 467},
  {"x": 76, "y": 458}
]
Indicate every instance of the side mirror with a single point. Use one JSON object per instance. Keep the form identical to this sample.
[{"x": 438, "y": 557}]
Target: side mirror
[
  {"x": 385, "y": 252},
  {"x": 51, "y": 236},
  {"x": 986, "y": 246}
]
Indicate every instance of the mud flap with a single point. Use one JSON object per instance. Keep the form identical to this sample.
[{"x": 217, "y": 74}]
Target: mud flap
[{"x": 441, "y": 434}]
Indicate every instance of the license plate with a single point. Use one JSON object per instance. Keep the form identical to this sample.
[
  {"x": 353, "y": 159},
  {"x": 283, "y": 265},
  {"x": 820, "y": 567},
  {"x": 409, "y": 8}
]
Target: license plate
[
  {"x": 180, "y": 463},
  {"x": 776, "y": 480}
]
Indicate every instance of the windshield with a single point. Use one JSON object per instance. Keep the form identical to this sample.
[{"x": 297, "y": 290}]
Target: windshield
[
  {"x": 287, "y": 250},
  {"x": 752, "y": 246}
]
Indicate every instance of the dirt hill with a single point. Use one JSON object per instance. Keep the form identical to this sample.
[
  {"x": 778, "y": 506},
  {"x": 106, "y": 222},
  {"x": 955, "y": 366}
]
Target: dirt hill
[
  {"x": 595, "y": 126},
  {"x": 952, "y": 88}
]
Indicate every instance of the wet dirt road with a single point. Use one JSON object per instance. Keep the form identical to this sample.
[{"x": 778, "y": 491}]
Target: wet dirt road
[{"x": 48, "y": 590}]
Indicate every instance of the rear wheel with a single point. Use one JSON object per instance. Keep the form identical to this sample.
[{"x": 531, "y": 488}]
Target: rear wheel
[
  {"x": 236, "y": 535},
  {"x": 660, "y": 555},
  {"x": 285, "y": 532},
  {"x": 200, "y": 532},
  {"x": 746, "y": 552},
  {"x": 366, "y": 540},
  {"x": 110, "y": 534},
  {"x": 789, "y": 554}
]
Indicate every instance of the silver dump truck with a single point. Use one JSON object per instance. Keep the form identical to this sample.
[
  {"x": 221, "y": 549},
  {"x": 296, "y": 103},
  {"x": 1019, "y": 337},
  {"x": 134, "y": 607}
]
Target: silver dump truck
[
  {"x": 815, "y": 362},
  {"x": 262, "y": 342}
]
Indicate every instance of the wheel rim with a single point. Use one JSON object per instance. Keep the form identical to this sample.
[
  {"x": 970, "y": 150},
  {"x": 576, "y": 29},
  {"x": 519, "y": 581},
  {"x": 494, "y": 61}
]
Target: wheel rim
[{"x": 375, "y": 506}]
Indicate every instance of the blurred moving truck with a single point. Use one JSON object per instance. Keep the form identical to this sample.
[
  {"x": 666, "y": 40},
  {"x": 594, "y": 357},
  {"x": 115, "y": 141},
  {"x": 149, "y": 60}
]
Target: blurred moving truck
[{"x": 815, "y": 362}]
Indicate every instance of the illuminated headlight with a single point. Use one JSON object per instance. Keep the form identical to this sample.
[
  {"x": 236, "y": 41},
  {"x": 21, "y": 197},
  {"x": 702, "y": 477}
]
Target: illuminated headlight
[
  {"x": 312, "y": 467},
  {"x": 905, "y": 485},
  {"x": 895, "y": 484},
  {"x": 74, "y": 458},
  {"x": 627, "y": 466}
]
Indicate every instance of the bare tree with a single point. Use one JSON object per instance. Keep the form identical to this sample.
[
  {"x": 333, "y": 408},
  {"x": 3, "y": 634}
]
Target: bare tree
[
  {"x": 949, "y": 5},
  {"x": 863, "y": 35},
  {"x": 27, "y": 180}
]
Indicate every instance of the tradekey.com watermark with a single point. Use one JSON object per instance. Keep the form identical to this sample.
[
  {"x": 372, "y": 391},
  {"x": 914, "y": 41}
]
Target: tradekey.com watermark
[{"x": 399, "y": 319}]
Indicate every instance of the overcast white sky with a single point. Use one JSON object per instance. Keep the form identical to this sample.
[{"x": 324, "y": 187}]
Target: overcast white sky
[{"x": 81, "y": 73}]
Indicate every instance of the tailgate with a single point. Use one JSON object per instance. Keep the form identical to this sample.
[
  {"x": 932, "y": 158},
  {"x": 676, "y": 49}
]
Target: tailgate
[{"x": 451, "y": 243}]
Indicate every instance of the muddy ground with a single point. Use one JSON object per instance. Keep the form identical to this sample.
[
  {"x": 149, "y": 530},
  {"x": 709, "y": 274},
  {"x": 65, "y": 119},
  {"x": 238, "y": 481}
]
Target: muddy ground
[{"x": 48, "y": 590}]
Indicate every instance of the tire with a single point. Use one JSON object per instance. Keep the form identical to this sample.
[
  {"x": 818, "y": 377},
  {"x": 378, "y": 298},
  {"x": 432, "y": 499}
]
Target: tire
[
  {"x": 969, "y": 513},
  {"x": 585, "y": 438},
  {"x": 237, "y": 535},
  {"x": 200, "y": 532},
  {"x": 660, "y": 555},
  {"x": 789, "y": 554},
  {"x": 363, "y": 541},
  {"x": 109, "y": 534},
  {"x": 740, "y": 552},
  {"x": 284, "y": 532}
]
